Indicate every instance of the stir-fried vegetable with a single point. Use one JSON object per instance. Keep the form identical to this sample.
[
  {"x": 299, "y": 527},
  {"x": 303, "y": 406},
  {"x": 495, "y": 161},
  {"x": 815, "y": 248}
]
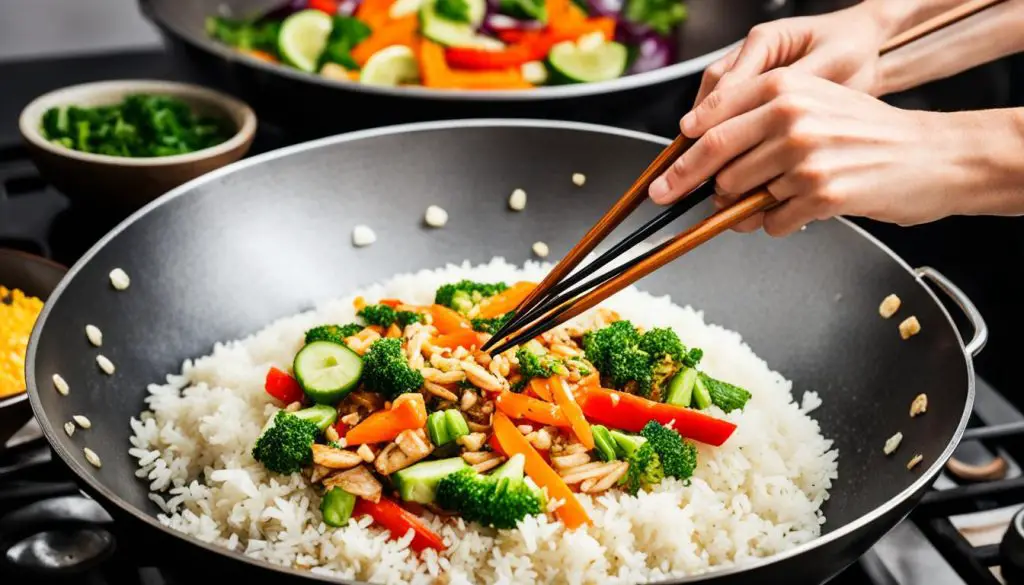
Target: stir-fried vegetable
[
  {"x": 645, "y": 469},
  {"x": 282, "y": 386},
  {"x": 336, "y": 506},
  {"x": 506, "y": 300},
  {"x": 500, "y": 499},
  {"x": 399, "y": 521},
  {"x": 621, "y": 410},
  {"x": 386, "y": 371},
  {"x": 460, "y": 44},
  {"x": 333, "y": 333},
  {"x": 463, "y": 295},
  {"x": 724, "y": 395},
  {"x": 139, "y": 126},
  {"x": 678, "y": 457},
  {"x": 641, "y": 363},
  {"x": 285, "y": 445},
  {"x": 567, "y": 402},
  {"x": 445, "y": 426},
  {"x": 407, "y": 412},
  {"x": 512, "y": 442},
  {"x": 604, "y": 443},
  {"x": 520, "y": 406},
  {"x": 447, "y": 320}
]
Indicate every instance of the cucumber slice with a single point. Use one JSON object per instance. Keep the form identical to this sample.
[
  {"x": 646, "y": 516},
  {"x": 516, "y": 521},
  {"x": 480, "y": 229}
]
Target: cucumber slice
[
  {"x": 391, "y": 66},
  {"x": 327, "y": 371},
  {"x": 572, "y": 63},
  {"x": 321, "y": 415},
  {"x": 418, "y": 483},
  {"x": 457, "y": 34},
  {"x": 303, "y": 37}
]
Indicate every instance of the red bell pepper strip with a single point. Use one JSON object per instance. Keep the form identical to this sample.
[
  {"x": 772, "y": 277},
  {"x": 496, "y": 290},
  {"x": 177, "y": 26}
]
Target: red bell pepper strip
[
  {"x": 388, "y": 514},
  {"x": 341, "y": 428},
  {"x": 624, "y": 411},
  {"x": 511, "y": 56},
  {"x": 328, "y": 6},
  {"x": 283, "y": 387}
]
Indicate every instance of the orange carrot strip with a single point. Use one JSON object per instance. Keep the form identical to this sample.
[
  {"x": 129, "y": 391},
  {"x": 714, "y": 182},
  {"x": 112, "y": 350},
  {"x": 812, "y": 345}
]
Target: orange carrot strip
[
  {"x": 373, "y": 12},
  {"x": 522, "y": 406},
  {"x": 564, "y": 399},
  {"x": 396, "y": 32},
  {"x": 390, "y": 302},
  {"x": 512, "y": 442},
  {"x": 434, "y": 70},
  {"x": 407, "y": 412},
  {"x": 261, "y": 55},
  {"x": 506, "y": 301},
  {"x": 393, "y": 331},
  {"x": 539, "y": 386},
  {"x": 448, "y": 321},
  {"x": 465, "y": 338}
]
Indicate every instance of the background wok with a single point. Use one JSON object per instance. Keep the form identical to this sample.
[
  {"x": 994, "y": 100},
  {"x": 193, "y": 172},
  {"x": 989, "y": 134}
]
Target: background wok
[
  {"x": 313, "y": 106},
  {"x": 222, "y": 256}
]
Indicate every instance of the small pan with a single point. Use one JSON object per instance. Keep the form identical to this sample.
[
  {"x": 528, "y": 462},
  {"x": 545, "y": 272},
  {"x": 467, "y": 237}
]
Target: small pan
[{"x": 35, "y": 276}]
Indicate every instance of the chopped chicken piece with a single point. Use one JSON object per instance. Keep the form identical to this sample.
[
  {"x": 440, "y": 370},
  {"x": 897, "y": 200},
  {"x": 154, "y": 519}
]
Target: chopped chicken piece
[
  {"x": 335, "y": 458},
  {"x": 571, "y": 460},
  {"x": 914, "y": 461},
  {"x": 611, "y": 479},
  {"x": 358, "y": 482},
  {"x": 472, "y": 441},
  {"x": 320, "y": 472},
  {"x": 408, "y": 448},
  {"x": 366, "y": 453}
]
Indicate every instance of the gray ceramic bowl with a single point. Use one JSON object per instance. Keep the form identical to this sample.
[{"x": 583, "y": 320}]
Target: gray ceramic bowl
[
  {"x": 37, "y": 277},
  {"x": 122, "y": 182}
]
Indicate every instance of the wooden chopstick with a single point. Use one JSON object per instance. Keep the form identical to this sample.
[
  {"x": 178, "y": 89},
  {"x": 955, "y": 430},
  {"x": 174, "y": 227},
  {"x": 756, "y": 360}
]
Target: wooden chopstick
[{"x": 723, "y": 220}]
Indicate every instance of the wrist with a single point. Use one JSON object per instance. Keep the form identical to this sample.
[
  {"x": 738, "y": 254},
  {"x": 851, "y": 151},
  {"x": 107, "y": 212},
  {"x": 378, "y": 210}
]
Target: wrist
[
  {"x": 890, "y": 17},
  {"x": 981, "y": 153}
]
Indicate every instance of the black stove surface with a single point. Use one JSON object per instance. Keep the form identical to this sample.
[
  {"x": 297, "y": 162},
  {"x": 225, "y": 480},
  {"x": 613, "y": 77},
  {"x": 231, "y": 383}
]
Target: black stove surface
[{"x": 79, "y": 544}]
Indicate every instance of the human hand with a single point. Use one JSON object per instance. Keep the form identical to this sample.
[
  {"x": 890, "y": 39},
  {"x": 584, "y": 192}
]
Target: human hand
[
  {"x": 840, "y": 46},
  {"x": 824, "y": 150}
]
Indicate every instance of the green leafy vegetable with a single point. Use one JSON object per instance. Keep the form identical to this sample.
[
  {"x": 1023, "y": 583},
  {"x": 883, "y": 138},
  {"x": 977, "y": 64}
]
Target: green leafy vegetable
[
  {"x": 140, "y": 126},
  {"x": 245, "y": 33},
  {"x": 346, "y": 33},
  {"x": 525, "y": 9},
  {"x": 660, "y": 15},
  {"x": 454, "y": 10},
  {"x": 724, "y": 395}
]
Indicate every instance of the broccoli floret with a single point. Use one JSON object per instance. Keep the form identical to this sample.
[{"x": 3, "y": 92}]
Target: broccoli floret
[
  {"x": 645, "y": 469},
  {"x": 639, "y": 363},
  {"x": 532, "y": 365},
  {"x": 693, "y": 357},
  {"x": 385, "y": 370},
  {"x": 380, "y": 315},
  {"x": 500, "y": 499},
  {"x": 285, "y": 446},
  {"x": 463, "y": 295},
  {"x": 678, "y": 457},
  {"x": 333, "y": 333},
  {"x": 724, "y": 395},
  {"x": 406, "y": 318},
  {"x": 493, "y": 324}
]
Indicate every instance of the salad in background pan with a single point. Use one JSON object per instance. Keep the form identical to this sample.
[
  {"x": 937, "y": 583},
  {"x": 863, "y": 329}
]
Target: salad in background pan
[{"x": 461, "y": 44}]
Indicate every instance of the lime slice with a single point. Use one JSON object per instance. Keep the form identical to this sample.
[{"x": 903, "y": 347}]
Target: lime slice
[
  {"x": 303, "y": 37},
  {"x": 589, "y": 63},
  {"x": 402, "y": 8},
  {"x": 391, "y": 66}
]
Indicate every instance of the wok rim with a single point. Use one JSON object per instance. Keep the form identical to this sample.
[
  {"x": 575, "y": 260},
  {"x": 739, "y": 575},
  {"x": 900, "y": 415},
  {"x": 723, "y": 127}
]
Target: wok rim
[
  {"x": 629, "y": 82},
  {"x": 85, "y": 475}
]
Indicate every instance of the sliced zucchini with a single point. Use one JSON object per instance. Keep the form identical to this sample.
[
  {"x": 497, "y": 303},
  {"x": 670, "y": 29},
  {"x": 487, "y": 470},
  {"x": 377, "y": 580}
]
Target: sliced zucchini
[
  {"x": 418, "y": 483},
  {"x": 321, "y": 415},
  {"x": 327, "y": 371},
  {"x": 587, "y": 62}
]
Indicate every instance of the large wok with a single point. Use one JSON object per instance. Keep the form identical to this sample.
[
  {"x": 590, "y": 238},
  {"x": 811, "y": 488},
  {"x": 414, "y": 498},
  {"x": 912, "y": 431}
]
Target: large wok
[
  {"x": 225, "y": 254},
  {"x": 311, "y": 105}
]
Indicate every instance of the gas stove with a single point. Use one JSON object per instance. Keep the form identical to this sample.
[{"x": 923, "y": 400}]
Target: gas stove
[{"x": 968, "y": 530}]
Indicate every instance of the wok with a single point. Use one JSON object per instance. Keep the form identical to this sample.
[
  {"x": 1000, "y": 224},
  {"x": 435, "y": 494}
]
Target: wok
[
  {"x": 313, "y": 106},
  {"x": 222, "y": 256}
]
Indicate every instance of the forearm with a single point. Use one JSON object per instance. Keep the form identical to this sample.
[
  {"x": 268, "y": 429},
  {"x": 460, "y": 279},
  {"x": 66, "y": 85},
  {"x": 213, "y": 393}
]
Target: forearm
[
  {"x": 984, "y": 37},
  {"x": 985, "y": 156}
]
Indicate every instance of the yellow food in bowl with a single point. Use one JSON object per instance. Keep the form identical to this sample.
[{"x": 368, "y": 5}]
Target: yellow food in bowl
[{"x": 18, "y": 314}]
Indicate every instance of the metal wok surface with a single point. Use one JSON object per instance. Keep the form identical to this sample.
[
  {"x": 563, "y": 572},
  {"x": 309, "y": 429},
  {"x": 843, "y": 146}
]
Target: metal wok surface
[{"x": 224, "y": 255}]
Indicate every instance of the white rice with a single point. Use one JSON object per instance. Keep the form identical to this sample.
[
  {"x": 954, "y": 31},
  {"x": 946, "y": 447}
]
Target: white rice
[{"x": 755, "y": 496}]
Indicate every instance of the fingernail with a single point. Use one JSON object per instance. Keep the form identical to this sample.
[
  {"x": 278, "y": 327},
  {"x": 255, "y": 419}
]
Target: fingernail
[
  {"x": 689, "y": 122},
  {"x": 659, "y": 189}
]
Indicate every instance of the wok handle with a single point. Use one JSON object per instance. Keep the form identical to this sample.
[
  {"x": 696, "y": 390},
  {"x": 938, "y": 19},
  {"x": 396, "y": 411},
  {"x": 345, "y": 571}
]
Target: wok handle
[{"x": 980, "y": 337}]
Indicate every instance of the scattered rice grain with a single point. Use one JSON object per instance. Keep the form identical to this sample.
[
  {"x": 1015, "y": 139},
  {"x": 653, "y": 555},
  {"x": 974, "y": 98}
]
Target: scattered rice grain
[
  {"x": 362, "y": 236},
  {"x": 892, "y": 443},
  {"x": 105, "y": 364},
  {"x": 94, "y": 335},
  {"x": 82, "y": 421},
  {"x": 92, "y": 457},
  {"x": 69, "y": 428},
  {"x": 435, "y": 216},
  {"x": 517, "y": 200},
  {"x": 61, "y": 385},
  {"x": 119, "y": 279},
  {"x": 914, "y": 461},
  {"x": 579, "y": 179}
]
